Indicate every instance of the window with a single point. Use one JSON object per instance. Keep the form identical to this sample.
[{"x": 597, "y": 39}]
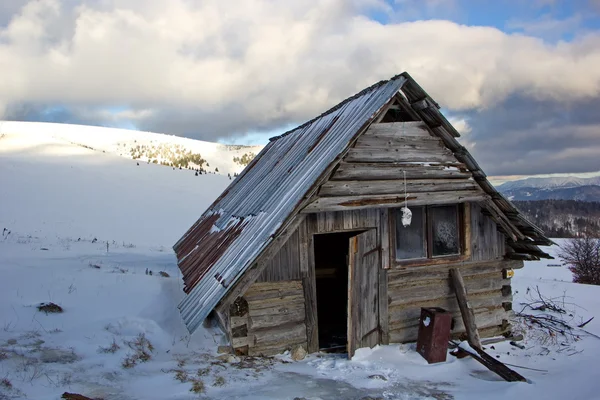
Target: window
[{"x": 435, "y": 231}]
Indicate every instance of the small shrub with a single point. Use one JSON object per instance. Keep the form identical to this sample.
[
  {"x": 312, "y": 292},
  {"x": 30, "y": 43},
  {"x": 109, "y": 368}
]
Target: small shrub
[
  {"x": 5, "y": 383},
  {"x": 3, "y": 356},
  {"x": 219, "y": 381},
  {"x": 203, "y": 371},
  {"x": 582, "y": 255},
  {"x": 163, "y": 274},
  {"x": 197, "y": 386},
  {"x": 50, "y": 308},
  {"x": 112, "y": 349},
  {"x": 182, "y": 376}
]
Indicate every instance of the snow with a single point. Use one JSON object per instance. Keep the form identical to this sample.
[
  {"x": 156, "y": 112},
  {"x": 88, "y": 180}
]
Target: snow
[{"x": 56, "y": 198}]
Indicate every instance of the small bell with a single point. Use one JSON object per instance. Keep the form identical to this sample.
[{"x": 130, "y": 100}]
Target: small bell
[{"x": 406, "y": 216}]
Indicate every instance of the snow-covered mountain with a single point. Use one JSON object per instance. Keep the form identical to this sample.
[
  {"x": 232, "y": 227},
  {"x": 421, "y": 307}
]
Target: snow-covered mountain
[{"x": 558, "y": 188}]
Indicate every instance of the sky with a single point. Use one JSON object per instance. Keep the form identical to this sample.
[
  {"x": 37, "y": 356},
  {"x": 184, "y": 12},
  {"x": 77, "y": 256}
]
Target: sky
[{"x": 519, "y": 79}]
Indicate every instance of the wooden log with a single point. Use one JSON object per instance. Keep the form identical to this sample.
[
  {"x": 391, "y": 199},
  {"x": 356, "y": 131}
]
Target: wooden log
[
  {"x": 287, "y": 332},
  {"x": 272, "y": 349},
  {"x": 370, "y": 155},
  {"x": 267, "y": 321},
  {"x": 388, "y": 201},
  {"x": 288, "y": 308},
  {"x": 396, "y": 129},
  {"x": 400, "y": 276},
  {"x": 375, "y": 140},
  {"x": 278, "y": 301},
  {"x": 494, "y": 365},
  {"x": 441, "y": 289},
  {"x": 359, "y": 188},
  {"x": 465, "y": 308},
  {"x": 394, "y": 171}
]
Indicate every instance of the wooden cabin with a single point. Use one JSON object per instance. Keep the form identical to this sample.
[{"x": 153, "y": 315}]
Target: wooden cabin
[{"x": 308, "y": 246}]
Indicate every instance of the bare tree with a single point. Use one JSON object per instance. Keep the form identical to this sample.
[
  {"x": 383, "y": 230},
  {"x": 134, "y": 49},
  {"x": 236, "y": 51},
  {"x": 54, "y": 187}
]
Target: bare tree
[{"x": 582, "y": 255}]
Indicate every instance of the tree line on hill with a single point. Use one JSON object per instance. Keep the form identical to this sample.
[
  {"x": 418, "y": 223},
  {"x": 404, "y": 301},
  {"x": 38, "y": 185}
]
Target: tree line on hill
[{"x": 563, "y": 218}]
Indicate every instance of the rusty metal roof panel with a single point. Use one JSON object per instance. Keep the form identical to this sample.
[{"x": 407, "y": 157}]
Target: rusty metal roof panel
[{"x": 223, "y": 243}]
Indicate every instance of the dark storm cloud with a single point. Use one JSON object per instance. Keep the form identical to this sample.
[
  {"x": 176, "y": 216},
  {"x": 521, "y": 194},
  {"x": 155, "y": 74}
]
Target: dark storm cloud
[{"x": 527, "y": 136}]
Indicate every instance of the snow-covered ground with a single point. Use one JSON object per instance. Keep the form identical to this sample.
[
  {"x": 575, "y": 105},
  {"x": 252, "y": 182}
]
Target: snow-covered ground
[{"x": 60, "y": 205}]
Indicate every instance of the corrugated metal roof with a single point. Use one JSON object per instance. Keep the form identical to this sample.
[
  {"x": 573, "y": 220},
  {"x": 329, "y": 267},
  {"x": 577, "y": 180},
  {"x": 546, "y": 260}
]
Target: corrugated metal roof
[{"x": 224, "y": 242}]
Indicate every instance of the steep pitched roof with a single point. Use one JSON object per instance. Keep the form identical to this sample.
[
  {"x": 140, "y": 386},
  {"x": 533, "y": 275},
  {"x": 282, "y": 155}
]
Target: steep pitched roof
[{"x": 216, "y": 251}]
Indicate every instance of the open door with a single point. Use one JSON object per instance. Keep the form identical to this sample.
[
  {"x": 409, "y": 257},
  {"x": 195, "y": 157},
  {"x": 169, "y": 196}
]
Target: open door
[{"x": 363, "y": 288}]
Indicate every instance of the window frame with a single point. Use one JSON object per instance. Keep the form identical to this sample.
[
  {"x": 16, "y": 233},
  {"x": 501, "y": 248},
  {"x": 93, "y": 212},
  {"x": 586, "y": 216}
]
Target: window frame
[{"x": 463, "y": 222}]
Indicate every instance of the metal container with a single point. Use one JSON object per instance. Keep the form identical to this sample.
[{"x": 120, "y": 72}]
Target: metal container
[{"x": 434, "y": 333}]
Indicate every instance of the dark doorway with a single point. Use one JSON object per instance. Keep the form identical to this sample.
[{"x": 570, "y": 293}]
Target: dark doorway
[{"x": 331, "y": 273}]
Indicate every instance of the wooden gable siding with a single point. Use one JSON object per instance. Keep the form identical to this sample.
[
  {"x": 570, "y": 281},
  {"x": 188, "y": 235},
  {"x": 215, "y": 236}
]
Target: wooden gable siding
[
  {"x": 372, "y": 173},
  {"x": 285, "y": 264}
]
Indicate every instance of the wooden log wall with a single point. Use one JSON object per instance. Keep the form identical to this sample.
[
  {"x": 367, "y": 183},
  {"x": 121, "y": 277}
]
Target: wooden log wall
[
  {"x": 269, "y": 318},
  {"x": 411, "y": 288},
  {"x": 372, "y": 173}
]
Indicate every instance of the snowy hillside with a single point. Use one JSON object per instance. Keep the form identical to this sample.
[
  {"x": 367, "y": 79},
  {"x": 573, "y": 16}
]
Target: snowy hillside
[
  {"x": 144, "y": 146},
  {"x": 91, "y": 232},
  {"x": 53, "y": 188}
]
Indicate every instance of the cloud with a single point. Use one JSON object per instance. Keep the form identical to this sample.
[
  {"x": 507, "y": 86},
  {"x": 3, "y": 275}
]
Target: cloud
[{"x": 208, "y": 70}]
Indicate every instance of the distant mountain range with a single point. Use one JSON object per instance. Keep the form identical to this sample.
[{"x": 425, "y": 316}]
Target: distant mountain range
[{"x": 555, "y": 188}]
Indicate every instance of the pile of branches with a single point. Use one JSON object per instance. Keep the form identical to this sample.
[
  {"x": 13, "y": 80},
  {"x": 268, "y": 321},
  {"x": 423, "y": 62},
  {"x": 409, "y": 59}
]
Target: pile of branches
[{"x": 550, "y": 320}]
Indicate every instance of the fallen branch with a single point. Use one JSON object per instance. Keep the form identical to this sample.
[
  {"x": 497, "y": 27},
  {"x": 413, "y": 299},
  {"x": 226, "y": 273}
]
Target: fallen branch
[{"x": 585, "y": 323}]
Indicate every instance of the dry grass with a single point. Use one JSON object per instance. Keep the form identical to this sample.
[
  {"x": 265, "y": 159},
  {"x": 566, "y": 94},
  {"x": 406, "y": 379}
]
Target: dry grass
[
  {"x": 112, "y": 349},
  {"x": 142, "y": 348},
  {"x": 182, "y": 375},
  {"x": 197, "y": 386}
]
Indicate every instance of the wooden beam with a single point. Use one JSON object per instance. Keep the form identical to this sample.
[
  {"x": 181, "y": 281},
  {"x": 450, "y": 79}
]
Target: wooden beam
[
  {"x": 393, "y": 171},
  {"x": 307, "y": 268},
  {"x": 343, "y": 203},
  {"x": 386, "y": 155},
  {"x": 359, "y": 188},
  {"x": 465, "y": 308}
]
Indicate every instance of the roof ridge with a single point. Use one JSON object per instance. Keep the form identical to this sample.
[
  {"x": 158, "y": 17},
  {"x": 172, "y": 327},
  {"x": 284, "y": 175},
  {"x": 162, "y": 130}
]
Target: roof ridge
[{"x": 339, "y": 105}]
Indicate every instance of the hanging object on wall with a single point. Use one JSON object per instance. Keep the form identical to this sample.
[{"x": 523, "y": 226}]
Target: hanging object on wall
[{"x": 406, "y": 213}]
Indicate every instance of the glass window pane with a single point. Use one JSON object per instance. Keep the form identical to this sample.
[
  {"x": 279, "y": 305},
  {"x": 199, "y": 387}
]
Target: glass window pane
[
  {"x": 410, "y": 240},
  {"x": 444, "y": 228}
]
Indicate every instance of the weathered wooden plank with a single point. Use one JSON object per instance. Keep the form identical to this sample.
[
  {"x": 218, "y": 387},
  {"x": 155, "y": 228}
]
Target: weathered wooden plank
[
  {"x": 370, "y": 155},
  {"x": 392, "y": 200},
  {"x": 268, "y": 321},
  {"x": 242, "y": 341},
  {"x": 396, "y": 129},
  {"x": 468, "y": 316},
  {"x": 359, "y": 188},
  {"x": 384, "y": 245},
  {"x": 288, "y": 332},
  {"x": 376, "y": 142},
  {"x": 401, "y": 276},
  {"x": 297, "y": 297},
  {"x": 268, "y": 286},
  {"x": 310, "y": 286},
  {"x": 381, "y": 171},
  {"x": 239, "y": 321},
  {"x": 287, "y": 308}
]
